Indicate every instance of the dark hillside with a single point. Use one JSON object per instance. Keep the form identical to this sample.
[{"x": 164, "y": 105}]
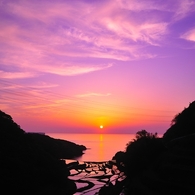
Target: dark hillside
[
  {"x": 171, "y": 173},
  {"x": 183, "y": 124},
  {"x": 58, "y": 148},
  {"x": 29, "y": 163},
  {"x": 159, "y": 166}
]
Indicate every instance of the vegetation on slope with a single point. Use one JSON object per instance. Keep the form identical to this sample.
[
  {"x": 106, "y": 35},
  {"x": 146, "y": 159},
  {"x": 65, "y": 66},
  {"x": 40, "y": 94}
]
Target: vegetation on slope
[
  {"x": 30, "y": 163},
  {"x": 183, "y": 124},
  {"x": 159, "y": 166}
]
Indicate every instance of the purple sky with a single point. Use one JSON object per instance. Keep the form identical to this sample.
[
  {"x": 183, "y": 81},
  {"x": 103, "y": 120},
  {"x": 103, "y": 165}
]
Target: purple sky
[{"x": 71, "y": 66}]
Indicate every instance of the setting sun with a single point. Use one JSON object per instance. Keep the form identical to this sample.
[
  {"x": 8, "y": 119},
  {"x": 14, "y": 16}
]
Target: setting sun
[{"x": 101, "y": 126}]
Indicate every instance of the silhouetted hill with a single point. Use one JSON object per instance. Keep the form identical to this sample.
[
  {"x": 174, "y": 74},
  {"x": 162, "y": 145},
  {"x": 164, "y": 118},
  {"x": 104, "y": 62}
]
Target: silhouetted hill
[
  {"x": 159, "y": 166},
  {"x": 171, "y": 173},
  {"x": 30, "y": 163},
  {"x": 183, "y": 124},
  {"x": 58, "y": 148}
]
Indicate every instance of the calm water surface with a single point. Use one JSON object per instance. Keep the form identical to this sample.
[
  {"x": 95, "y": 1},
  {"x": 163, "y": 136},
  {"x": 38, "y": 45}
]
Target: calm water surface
[{"x": 101, "y": 147}]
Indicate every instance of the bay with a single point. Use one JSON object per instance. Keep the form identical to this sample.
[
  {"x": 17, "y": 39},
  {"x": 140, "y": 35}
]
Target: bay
[{"x": 100, "y": 147}]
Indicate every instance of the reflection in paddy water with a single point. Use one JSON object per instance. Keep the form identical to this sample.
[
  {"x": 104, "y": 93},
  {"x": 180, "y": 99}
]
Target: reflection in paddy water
[{"x": 91, "y": 176}]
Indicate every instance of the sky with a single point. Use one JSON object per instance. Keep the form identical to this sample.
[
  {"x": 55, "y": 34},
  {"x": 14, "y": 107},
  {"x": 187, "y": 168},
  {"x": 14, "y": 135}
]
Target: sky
[{"x": 70, "y": 66}]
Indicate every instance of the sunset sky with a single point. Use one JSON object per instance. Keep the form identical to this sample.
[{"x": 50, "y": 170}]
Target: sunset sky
[{"x": 72, "y": 65}]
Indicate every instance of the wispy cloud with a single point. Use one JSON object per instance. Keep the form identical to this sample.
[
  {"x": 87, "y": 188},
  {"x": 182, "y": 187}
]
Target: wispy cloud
[
  {"x": 16, "y": 75},
  {"x": 31, "y": 97},
  {"x": 73, "y": 69},
  {"x": 108, "y": 36},
  {"x": 183, "y": 8},
  {"x": 43, "y": 85},
  {"x": 93, "y": 94},
  {"x": 190, "y": 35},
  {"x": 46, "y": 37}
]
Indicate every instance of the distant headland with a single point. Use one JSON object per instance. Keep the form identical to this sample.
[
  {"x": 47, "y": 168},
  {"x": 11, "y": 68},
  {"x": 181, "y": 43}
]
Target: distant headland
[{"x": 30, "y": 162}]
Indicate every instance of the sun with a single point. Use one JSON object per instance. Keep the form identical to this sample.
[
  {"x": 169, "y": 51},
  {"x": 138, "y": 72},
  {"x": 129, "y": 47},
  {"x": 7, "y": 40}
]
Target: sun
[{"x": 101, "y": 126}]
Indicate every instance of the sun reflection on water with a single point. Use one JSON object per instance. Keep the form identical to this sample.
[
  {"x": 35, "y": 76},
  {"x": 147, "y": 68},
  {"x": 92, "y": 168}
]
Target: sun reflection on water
[{"x": 101, "y": 147}]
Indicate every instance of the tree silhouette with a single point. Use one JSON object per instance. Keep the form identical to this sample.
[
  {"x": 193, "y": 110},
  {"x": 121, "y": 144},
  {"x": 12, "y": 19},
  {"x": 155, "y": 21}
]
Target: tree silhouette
[
  {"x": 182, "y": 124},
  {"x": 144, "y": 133},
  {"x": 160, "y": 166},
  {"x": 141, "y": 152}
]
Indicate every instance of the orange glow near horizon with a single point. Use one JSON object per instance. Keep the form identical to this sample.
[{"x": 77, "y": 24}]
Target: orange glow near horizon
[
  {"x": 99, "y": 68},
  {"x": 92, "y": 119},
  {"x": 89, "y": 119}
]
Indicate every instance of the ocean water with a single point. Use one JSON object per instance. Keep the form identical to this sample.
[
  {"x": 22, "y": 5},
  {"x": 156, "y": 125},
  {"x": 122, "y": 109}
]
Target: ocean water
[{"x": 101, "y": 147}]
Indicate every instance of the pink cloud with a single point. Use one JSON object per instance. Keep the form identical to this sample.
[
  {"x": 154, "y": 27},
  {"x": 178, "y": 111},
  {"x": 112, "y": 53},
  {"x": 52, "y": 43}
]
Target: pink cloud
[
  {"x": 183, "y": 8},
  {"x": 72, "y": 70},
  {"x": 93, "y": 94},
  {"x": 190, "y": 35},
  {"x": 16, "y": 75},
  {"x": 138, "y": 6},
  {"x": 86, "y": 31},
  {"x": 108, "y": 30}
]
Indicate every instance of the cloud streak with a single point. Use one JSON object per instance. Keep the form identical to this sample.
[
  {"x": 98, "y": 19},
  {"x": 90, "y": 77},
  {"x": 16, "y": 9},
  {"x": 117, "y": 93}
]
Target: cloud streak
[
  {"x": 190, "y": 35},
  {"x": 32, "y": 38},
  {"x": 17, "y": 75},
  {"x": 73, "y": 69},
  {"x": 93, "y": 94},
  {"x": 46, "y": 37}
]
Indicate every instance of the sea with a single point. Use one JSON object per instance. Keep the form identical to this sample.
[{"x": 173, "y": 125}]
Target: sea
[{"x": 100, "y": 148}]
